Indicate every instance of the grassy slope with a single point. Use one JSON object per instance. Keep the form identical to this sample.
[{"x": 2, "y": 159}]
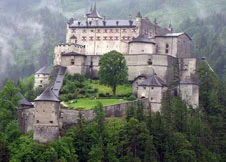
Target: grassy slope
[{"x": 88, "y": 103}]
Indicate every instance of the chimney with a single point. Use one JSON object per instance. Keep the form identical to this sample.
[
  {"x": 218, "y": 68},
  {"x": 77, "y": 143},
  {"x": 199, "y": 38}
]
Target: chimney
[
  {"x": 90, "y": 23},
  {"x": 117, "y": 22},
  {"x": 130, "y": 22},
  {"x": 79, "y": 23}
]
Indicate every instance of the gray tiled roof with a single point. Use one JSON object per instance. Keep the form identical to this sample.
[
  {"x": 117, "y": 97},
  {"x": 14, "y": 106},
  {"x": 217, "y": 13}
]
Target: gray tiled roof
[
  {"x": 44, "y": 70},
  {"x": 142, "y": 39},
  {"x": 104, "y": 23},
  {"x": 24, "y": 101},
  {"x": 47, "y": 95},
  {"x": 174, "y": 35},
  {"x": 153, "y": 80}
]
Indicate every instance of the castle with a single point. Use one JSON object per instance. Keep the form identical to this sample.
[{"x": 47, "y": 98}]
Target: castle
[{"x": 157, "y": 58}]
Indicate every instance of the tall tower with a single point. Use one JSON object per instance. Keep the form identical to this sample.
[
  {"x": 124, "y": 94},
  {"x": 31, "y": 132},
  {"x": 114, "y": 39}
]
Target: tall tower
[{"x": 46, "y": 124}]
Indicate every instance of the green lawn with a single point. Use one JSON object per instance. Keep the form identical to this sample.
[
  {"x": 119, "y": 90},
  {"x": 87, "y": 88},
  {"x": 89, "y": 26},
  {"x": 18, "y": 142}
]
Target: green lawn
[{"x": 88, "y": 103}]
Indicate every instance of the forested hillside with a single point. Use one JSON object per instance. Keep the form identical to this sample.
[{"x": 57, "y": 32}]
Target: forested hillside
[{"x": 178, "y": 134}]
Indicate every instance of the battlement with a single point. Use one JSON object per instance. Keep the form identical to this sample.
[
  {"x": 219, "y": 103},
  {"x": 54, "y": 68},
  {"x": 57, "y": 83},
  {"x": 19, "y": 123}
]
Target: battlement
[{"x": 67, "y": 48}]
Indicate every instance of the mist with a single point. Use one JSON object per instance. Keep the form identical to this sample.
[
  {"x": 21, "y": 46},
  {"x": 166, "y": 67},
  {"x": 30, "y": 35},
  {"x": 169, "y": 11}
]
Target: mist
[{"x": 29, "y": 29}]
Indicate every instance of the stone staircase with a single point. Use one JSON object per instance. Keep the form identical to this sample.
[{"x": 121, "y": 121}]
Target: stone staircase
[{"x": 57, "y": 85}]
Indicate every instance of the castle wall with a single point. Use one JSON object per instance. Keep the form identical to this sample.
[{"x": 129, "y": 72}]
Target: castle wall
[
  {"x": 74, "y": 64},
  {"x": 66, "y": 48},
  {"x": 102, "y": 40},
  {"x": 25, "y": 118},
  {"x": 46, "y": 124},
  {"x": 190, "y": 93},
  {"x": 167, "y": 46},
  {"x": 140, "y": 48},
  {"x": 41, "y": 80},
  {"x": 183, "y": 46},
  {"x": 188, "y": 69},
  {"x": 45, "y": 134}
]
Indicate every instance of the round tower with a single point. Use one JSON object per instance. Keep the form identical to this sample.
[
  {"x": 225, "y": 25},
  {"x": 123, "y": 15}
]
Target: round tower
[{"x": 46, "y": 124}]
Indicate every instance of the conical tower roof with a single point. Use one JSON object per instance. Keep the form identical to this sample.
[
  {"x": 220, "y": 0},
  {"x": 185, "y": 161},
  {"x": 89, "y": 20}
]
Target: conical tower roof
[
  {"x": 154, "y": 81},
  {"x": 94, "y": 13},
  {"x": 47, "y": 95}
]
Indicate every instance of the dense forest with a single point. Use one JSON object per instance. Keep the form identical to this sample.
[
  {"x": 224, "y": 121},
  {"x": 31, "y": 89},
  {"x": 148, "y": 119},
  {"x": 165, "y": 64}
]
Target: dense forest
[{"x": 177, "y": 134}]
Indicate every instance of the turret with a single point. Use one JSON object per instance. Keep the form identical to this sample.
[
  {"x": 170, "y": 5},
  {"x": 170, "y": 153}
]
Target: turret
[
  {"x": 46, "y": 124},
  {"x": 138, "y": 17},
  {"x": 93, "y": 15}
]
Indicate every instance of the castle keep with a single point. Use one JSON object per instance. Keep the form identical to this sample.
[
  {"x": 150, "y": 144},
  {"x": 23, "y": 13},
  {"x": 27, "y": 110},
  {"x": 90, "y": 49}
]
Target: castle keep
[
  {"x": 148, "y": 50},
  {"x": 157, "y": 58}
]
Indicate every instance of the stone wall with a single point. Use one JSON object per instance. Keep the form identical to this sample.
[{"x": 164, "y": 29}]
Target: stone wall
[
  {"x": 41, "y": 80},
  {"x": 136, "y": 48},
  {"x": 26, "y": 118}
]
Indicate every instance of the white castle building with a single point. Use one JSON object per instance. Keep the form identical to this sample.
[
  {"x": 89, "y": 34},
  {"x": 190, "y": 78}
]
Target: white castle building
[{"x": 149, "y": 50}]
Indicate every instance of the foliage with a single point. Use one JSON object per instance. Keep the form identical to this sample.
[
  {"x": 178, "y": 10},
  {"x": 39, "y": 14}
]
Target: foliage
[{"x": 113, "y": 70}]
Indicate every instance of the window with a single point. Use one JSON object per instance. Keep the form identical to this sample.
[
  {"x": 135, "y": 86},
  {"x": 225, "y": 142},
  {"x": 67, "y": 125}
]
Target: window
[
  {"x": 111, "y": 30},
  {"x": 98, "y": 30},
  {"x": 124, "y": 30},
  {"x": 90, "y": 38},
  {"x": 91, "y": 30},
  {"x": 37, "y": 121},
  {"x": 83, "y": 38},
  {"x": 167, "y": 51},
  {"x": 111, "y": 38},
  {"x": 142, "y": 50},
  {"x": 51, "y": 121},
  {"x": 149, "y": 62},
  {"x": 167, "y": 48},
  {"x": 116, "y": 30},
  {"x": 73, "y": 31},
  {"x": 157, "y": 48},
  {"x": 116, "y": 38},
  {"x": 144, "y": 87},
  {"x": 152, "y": 87},
  {"x": 105, "y": 38},
  {"x": 98, "y": 38},
  {"x": 105, "y": 30},
  {"x": 40, "y": 81},
  {"x": 84, "y": 31},
  {"x": 72, "y": 61}
]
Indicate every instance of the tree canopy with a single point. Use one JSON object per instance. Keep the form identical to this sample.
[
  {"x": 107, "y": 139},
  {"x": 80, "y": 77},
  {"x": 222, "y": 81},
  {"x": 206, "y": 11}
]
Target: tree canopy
[{"x": 113, "y": 70}]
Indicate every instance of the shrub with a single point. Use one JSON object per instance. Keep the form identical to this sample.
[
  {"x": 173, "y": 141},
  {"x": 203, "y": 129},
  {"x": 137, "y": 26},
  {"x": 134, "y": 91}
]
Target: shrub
[{"x": 132, "y": 97}]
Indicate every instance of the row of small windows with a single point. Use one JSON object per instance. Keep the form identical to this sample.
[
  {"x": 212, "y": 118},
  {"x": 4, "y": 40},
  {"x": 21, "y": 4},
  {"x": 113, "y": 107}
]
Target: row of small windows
[
  {"x": 107, "y": 38},
  {"x": 105, "y": 30}
]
